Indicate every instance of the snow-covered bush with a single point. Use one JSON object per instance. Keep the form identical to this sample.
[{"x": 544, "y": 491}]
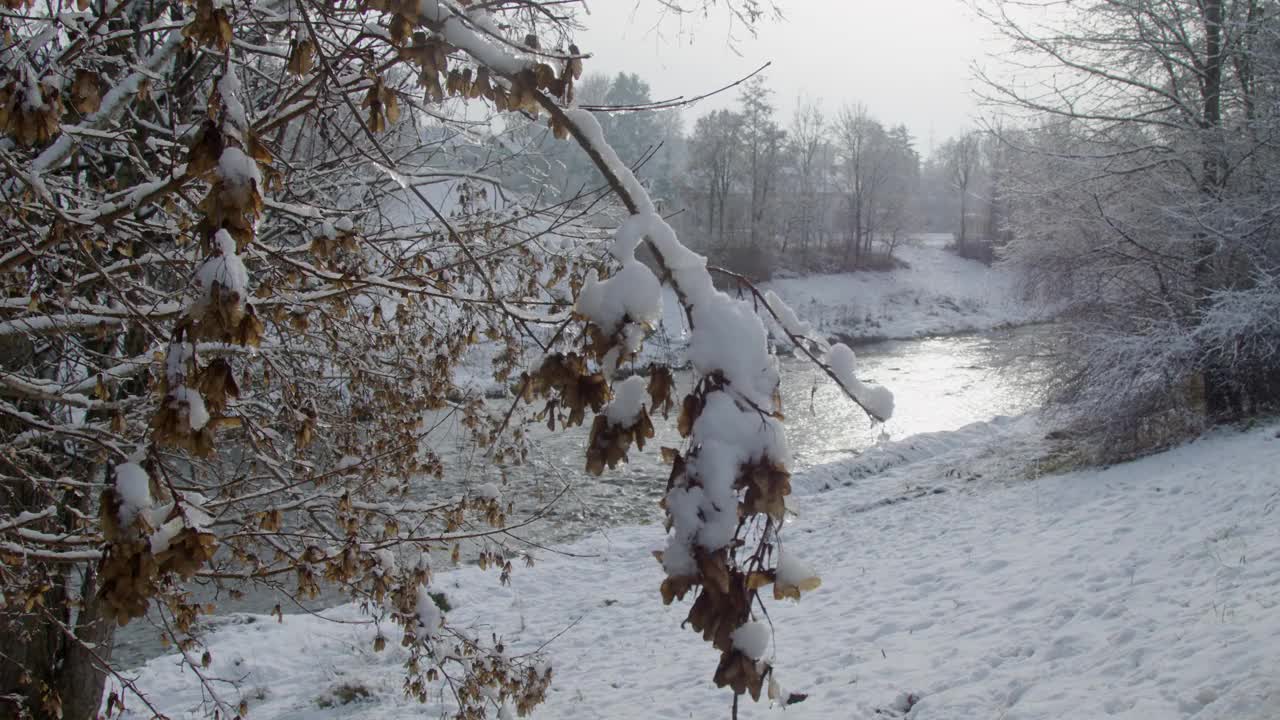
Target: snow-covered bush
[{"x": 1144, "y": 203}]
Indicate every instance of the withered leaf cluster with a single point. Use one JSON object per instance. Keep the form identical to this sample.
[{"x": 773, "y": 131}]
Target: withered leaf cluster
[
  {"x": 86, "y": 92},
  {"x": 570, "y": 388},
  {"x": 301, "y": 56},
  {"x": 431, "y": 55},
  {"x": 609, "y": 442},
  {"x": 210, "y": 27},
  {"x": 30, "y": 113},
  {"x": 382, "y": 104},
  {"x": 133, "y": 570}
]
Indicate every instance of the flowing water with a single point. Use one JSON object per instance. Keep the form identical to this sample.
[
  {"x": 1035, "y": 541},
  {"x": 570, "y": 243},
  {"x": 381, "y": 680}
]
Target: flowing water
[{"x": 939, "y": 384}]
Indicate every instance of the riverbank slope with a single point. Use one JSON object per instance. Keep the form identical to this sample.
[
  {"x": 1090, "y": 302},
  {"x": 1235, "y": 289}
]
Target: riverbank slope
[
  {"x": 938, "y": 293},
  {"x": 1148, "y": 589}
]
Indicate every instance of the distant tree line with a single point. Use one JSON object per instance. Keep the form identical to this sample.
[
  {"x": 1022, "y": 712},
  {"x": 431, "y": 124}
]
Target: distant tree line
[{"x": 822, "y": 192}]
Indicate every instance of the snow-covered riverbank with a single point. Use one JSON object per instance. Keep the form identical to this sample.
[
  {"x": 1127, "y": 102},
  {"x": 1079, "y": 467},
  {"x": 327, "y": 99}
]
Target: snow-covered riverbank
[
  {"x": 1145, "y": 590},
  {"x": 940, "y": 293}
]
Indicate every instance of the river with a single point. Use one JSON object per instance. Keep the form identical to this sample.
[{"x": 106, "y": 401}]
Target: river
[{"x": 940, "y": 383}]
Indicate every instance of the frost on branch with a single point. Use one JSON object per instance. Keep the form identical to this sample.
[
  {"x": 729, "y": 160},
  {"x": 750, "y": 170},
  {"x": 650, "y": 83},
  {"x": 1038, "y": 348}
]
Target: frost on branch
[
  {"x": 148, "y": 227},
  {"x": 171, "y": 227}
]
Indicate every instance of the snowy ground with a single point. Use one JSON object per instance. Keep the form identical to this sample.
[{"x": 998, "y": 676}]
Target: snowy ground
[
  {"x": 1146, "y": 590},
  {"x": 939, "y": 294}
]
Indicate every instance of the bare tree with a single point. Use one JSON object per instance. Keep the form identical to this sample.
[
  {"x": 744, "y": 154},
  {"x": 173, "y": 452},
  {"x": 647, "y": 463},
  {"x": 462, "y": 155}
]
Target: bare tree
[
  {"x": 872, "y": 163},
  {"x": 855, "y": 129},
  {"x": 810, "y": 150},
  {"x": 763, "y": 141},
  {"x": 898, "y": 212},
  {"x": 715, "y": 147},
  {"x": 963, "y": 156},
  {"x": 995, "y": 164}
]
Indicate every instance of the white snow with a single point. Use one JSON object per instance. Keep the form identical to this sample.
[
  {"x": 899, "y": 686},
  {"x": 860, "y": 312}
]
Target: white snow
[
  {"x": 175, "y": 362},
  {"x": 843, "y": 361},
  {"x": 705, "y": 511},
  {"x": 33, "y": 98},
  {"x": 939, "y": 294},
  {"x": 877, "y": 399},
  {"x": 224, "y": 268},
  {"x": 164, "y": 535},
  {"x": 793, "y": 571},
  {"x": 238, "y": 169},
  {"x": 787, "y": 317},
  {"x": 633, "y": 293},
  {"x": 752, "y": 640},
  {"x": 133, "y": 487},
  {"x": 430, "y": 619},
  {"x": 197, "y": 413},
  {"x": 628, "y": 400},
  {"x": 1144, "y": 590},
  {"x": 386, "y": 561},
  {"x": 191, "y": 515},
  {"x": 728, "y": 337},
  {"x": 229, "y": 90}
]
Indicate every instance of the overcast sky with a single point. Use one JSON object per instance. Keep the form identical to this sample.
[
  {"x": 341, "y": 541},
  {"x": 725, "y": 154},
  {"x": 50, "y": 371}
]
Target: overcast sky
[{"x": 907, "y": 60}]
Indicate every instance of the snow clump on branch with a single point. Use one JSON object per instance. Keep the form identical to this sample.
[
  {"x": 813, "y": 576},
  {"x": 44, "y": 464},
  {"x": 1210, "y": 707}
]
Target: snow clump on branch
[{"x": 875, "y": 399}]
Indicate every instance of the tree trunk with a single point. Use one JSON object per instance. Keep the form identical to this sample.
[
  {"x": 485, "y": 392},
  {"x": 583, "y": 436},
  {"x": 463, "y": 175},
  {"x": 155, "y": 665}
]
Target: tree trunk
[
  {"x": 1222, "y": 398},
  {"x": 711, "y": 214},
  {"x": 51, "y": 660},
  {"x": 48, "y": 668},
  {"x": 722, "y": 214}
]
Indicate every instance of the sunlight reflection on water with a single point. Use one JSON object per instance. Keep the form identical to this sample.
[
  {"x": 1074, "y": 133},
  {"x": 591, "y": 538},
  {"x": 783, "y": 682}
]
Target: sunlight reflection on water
[{"x": 939, "y": 384}]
